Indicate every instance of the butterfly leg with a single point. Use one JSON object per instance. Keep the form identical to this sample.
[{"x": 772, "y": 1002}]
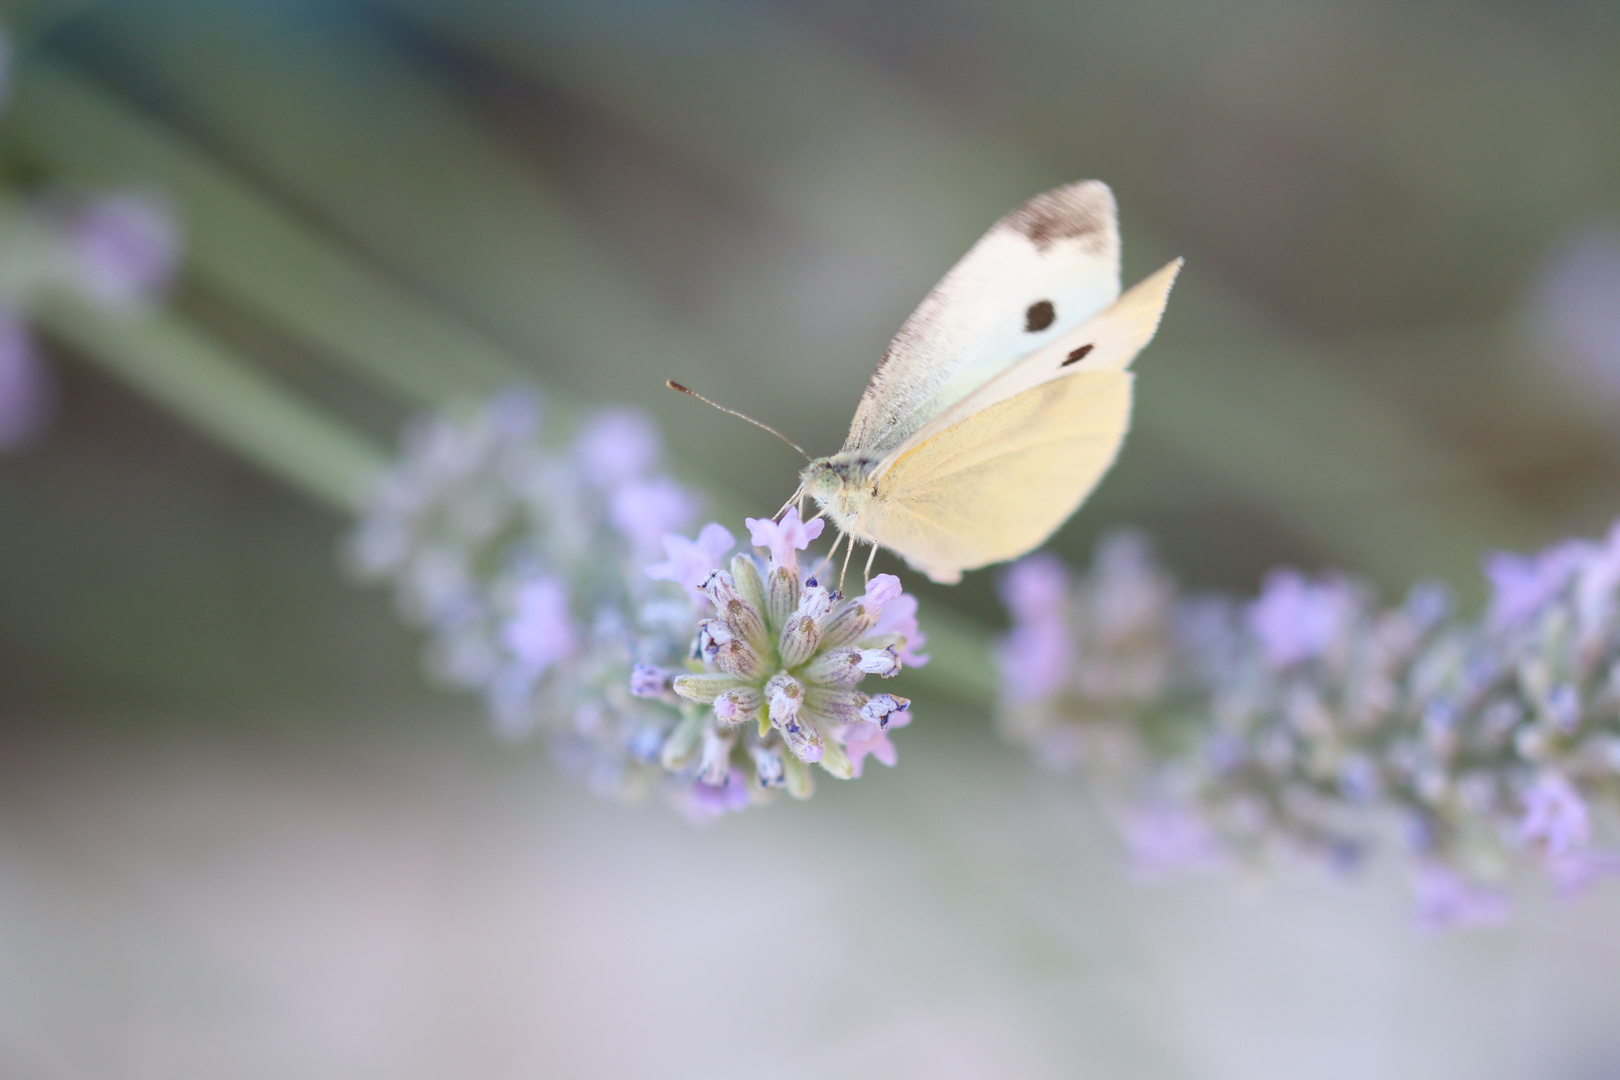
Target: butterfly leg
[
  {"x": 829, "y": 556},
  {"x": 870, "y": 557},
  {"x": 849, "y": 550}
]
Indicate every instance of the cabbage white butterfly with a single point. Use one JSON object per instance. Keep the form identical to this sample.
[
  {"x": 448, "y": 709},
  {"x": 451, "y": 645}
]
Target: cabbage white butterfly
[{"x": 1003, "y": 399}]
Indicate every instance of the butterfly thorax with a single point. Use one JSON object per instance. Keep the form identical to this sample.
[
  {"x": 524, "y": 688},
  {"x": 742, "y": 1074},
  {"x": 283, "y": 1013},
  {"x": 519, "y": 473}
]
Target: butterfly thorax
[{"x": 843, "y": 485}]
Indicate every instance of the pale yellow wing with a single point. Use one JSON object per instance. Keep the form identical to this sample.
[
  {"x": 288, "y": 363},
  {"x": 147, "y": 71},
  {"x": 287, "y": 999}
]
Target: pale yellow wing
[
  {"x": 1037, "y": 273},
  {"x": 996, "y": 484}
]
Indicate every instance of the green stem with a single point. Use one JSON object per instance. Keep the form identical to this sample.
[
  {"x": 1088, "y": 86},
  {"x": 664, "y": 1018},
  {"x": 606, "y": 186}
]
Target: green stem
[
  {"x": 221, "y": 396},
  {"x": 250, "y": 249}
]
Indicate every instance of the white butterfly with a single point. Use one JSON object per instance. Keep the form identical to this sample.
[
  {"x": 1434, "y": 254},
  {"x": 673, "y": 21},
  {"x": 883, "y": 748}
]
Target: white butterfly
[{"x": 1004, "y": 398}]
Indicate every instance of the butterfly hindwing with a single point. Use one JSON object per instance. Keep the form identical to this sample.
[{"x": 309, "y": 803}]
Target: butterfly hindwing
[{"x": 998, "y": 485}]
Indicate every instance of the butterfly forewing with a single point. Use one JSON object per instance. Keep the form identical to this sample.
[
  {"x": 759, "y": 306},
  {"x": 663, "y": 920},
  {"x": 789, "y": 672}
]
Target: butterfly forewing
[
  {"x": 1108, "y": 341},
  {"x": 1036, "y": 274}
]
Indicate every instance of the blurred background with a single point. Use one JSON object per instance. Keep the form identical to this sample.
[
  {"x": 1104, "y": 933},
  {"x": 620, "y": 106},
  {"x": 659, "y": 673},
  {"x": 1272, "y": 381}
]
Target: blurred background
[{"x": 240, "y": 835}]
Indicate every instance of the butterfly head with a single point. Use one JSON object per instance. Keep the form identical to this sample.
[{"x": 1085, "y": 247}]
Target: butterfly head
[{"x": 842, "y": 483}]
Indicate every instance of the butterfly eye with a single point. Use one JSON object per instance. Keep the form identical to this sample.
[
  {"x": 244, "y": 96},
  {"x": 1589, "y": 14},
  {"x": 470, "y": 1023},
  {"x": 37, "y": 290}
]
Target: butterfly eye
[
  {"x": 1039, "y": 316},
  {"x": 1077, "y": 355}
]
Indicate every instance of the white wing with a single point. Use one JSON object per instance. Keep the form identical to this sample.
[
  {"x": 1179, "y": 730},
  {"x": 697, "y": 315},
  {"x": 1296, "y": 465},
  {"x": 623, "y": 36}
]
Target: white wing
[
  {"x": 1038, "y": 272},
  {"x": 1108, "y": 341}
]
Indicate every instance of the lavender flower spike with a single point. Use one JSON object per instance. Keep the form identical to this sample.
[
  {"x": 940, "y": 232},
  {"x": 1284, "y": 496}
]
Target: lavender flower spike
[
  {"x": 781, "y": 659},
  {"x": 523, "y": 555},
  {"x": 1309, "y": 721}
]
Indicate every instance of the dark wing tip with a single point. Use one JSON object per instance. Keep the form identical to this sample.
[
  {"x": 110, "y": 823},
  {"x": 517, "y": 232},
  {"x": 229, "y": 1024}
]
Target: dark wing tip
[{"x": 1083, "y": 210}]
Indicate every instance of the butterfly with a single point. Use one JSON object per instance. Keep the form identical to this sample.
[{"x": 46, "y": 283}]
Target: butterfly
[{"x": 1003, "y": 399}]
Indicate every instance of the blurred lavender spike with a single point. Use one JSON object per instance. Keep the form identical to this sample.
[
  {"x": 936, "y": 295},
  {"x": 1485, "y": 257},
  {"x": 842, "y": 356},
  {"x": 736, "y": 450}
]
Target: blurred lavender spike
[
  {"x": 26, "y": 389},
  {"x": 532, "y": 559},
  {"x": 1572, "y": 308},
  {"x": 1311, "y": 723},
  {"x": 117, "y": 250}
]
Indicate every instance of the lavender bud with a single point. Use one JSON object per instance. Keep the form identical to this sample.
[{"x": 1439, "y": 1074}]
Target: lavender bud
[
  {"x": 835, "y": 761},
  {"x": 767, "y": 766},
  {"x": 799, "y": 639},
  {"x": 704, "y": 688},
  {"x": 737, "y": 658},
  {"x": 682, "y": 742},
  {"x": 781, "y": 594},
  {"x": 745, "y": 574},
  {"x": 800, "y": 784},
  {"x": 882, "y": 706},
  {"x": 712, "y": 634},
  {"x": 804, "y": 740},
  {"x": 848, "y": 622},
  {"x": 741, "y": 617},
  {"x": 802, "y": 634},
  {"x": 839, "y": 704},
  {"x": 786, "y": 700},
  {"x": 838, "y": 667},
  {"x": 784, "y": 695},
  {"x": 739, "y": 704},
  {"x": 716, "y": 759},
  {"x": 884, "y": 663},
  {"x": 647, "y": 681},
  {"x": 815, "y": 602}
]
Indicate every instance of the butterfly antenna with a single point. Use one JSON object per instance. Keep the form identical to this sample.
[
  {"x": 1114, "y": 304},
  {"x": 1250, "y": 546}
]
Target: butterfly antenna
[
  {"x": 673, "y": 385},
  {"x": 798, "y": 496}
]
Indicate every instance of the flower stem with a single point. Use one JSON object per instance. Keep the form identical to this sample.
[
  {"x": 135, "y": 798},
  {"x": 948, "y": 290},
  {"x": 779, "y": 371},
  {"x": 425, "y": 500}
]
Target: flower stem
[{"x": 226, "y": 399}]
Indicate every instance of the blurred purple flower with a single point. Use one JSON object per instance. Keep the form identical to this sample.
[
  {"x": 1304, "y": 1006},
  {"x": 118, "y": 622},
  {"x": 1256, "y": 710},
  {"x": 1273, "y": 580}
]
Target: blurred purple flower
[
  {"x": 880, "y": 592},
  {"x": 1445, "y": 900},
  {"x": 1574, "y": 306},
  {"x": 1555, "y": 815},
  {"x": 1165, "y": 839},
  {"x": 868, "y": 739},
  {"x": 645, "y": 510},
  {"x": 126, "y": 247},
  {"x": 900, "y": 617},
  {"x": 1597, "y": 581},
  {"x": 1522, "y": 585},
  {"x": 689, "y": 562},
  {"x": 784, "y": 538},
  {"x": 871, "y": 737},
  {"x": 26, "y": 387},
  {"x": 710, "y": 801},
  {"x": 1297, "y": 619},
  {"x": 1036, "y": 587},
  {"x": 616, "y": 446},
  {"x": 1036, "y": 654},
  {"x": 1573, "y": 872},
  {"x": 541, "y": 630}
]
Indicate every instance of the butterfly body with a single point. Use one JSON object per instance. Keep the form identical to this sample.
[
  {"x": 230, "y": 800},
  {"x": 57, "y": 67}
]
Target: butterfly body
[{"x": 1004, "y": 398}]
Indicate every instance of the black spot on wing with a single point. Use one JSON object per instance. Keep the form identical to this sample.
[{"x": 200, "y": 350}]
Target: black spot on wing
[
  {"x": 1078, "y": 355},
  {"x": 1039, "y": 316}
]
